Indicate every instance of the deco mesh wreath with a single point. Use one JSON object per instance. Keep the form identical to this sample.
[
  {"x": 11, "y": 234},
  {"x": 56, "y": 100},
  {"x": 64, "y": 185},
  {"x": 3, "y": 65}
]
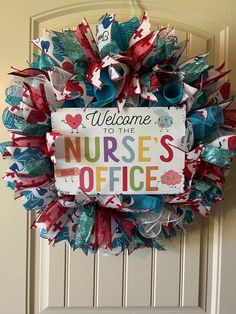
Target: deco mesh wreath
[{"x": 125, "y": 67}]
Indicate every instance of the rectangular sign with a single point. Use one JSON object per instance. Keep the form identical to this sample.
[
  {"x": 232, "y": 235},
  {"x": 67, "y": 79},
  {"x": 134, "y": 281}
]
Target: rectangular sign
[{"x": 131, "y": 152}]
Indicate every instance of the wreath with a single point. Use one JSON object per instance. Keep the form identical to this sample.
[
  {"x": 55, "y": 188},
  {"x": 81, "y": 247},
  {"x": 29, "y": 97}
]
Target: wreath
[{"x": 126, "y": 65}]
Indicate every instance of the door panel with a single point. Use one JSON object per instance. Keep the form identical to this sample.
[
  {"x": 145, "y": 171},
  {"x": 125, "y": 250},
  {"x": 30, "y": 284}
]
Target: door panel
[
  {"x": 194, "y": 274},
  {"x": 80, "y": 279}
]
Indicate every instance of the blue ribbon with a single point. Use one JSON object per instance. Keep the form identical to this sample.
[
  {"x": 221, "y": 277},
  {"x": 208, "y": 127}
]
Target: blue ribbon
[
  {"x": 154, "y": 203},
  {"x": 173, "y": 93},
  {"x": 104, "y": 95},
  {"x": 202, "y": 128}
]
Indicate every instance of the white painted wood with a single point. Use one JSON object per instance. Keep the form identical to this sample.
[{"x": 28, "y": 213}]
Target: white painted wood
[
  {"x": 139, "y": 278},
  {"x": 110, "y": 280},
  {"x": 168, "y": 274},
  {"x": 197, "y": 272},
  {"x": 130, "y": 310},
  {"x": 227, "y": 264},
  {"x": 81, "y": 277},
  {"x": 197, "y": 45},
  {"x": 13, "y": 240},
  {"x": 52, "y": 278},
  {"x": 190, "y": 268},
  {"x": 57, "y": 275}
]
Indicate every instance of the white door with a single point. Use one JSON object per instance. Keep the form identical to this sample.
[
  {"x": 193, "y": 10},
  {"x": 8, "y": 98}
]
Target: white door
[{"x": 197, "y": 273}]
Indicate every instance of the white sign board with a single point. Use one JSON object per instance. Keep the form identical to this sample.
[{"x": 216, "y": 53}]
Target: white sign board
[{"x": 131, "y": 152}]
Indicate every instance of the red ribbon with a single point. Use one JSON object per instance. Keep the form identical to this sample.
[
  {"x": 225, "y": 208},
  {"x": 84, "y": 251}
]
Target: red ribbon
[
  {"x": 52, "y": 213},
  {"x": 102, "y": 226}
]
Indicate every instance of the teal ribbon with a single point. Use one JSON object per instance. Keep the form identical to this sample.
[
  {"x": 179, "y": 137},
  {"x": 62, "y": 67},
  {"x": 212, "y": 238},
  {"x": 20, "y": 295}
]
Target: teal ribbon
[
  {"x": 10, "y": 120},
  {"x": 145, "y": 79},
  {"x": 104, "y": 95},
  {"x": 36, "y": 167},
  {"x": 31, "y": 161},
  {"x": 154, "y": 203},
  {"x": 14, "y": 122},
  {"x": 173, "y": 93},
  {"x": 206, "y": 191},
  {"x": 202, "y": 128},
  {"x": 43, "y": 62},
  {"x": 32, "y": 129},
  {"x": 14, "y": 95},
  {"x": 84, "y": 228},
  {"x": 3, "y": 146},
  {"x": 120, "y": 240},
  {"x": 120, "y": 35},
  {"x": 163, "y": 51},
  {"x": 217, "y": 156},
  {"x": 200, "y": 99},
  {"x": 74, "y": 51},
  {"x": 194, "y": 70}
]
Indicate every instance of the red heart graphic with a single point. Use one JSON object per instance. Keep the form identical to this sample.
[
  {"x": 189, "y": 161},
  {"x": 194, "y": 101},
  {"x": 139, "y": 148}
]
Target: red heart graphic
[{"x": 74, "y": 122}]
